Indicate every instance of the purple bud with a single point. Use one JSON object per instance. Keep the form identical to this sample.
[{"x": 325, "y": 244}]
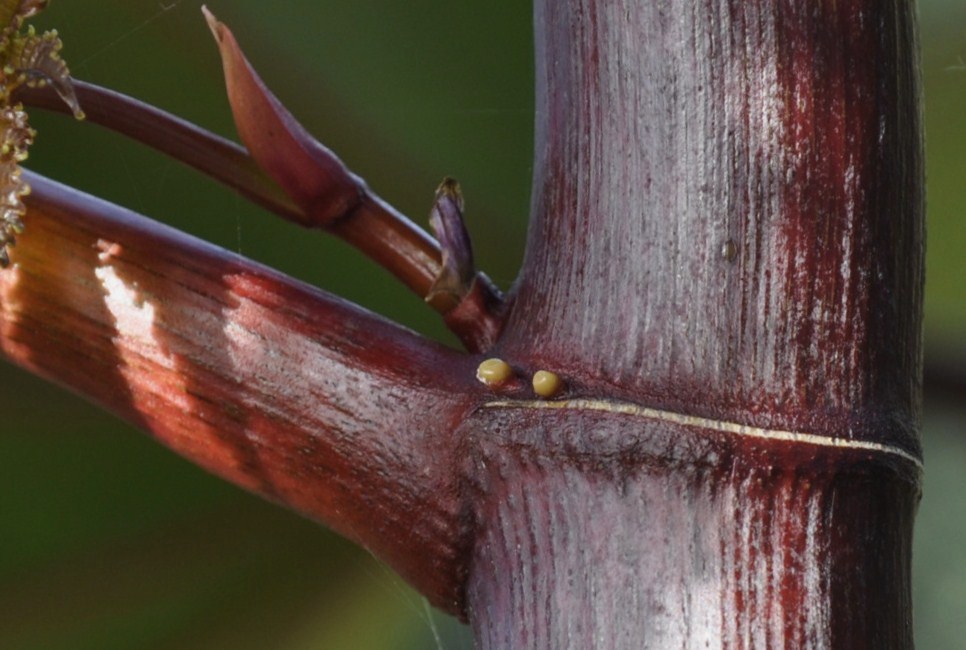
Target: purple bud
[{"x": 446, "y": 218}]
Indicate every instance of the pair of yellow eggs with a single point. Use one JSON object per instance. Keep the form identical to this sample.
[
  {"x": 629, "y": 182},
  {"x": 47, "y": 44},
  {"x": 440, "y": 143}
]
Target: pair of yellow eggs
[{"x": 494, "y": 372}]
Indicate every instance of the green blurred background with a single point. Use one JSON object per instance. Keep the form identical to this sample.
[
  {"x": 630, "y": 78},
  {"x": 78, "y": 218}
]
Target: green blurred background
[{"x": 109, "y": 541}]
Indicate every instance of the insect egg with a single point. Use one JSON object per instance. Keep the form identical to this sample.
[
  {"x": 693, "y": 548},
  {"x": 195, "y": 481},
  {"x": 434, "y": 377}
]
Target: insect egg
[
  {"x": 546, "y": 384},
  {"x": 494, "y": 372}
]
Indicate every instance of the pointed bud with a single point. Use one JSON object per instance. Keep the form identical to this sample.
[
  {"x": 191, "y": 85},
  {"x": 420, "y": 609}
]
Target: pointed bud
[
  {"x": 310, "y": 173},
  {"x": 457, "y": 272}
]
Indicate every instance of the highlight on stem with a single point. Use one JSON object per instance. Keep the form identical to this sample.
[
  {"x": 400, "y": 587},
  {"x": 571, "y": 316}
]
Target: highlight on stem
[{"x": 287, "y": 171}]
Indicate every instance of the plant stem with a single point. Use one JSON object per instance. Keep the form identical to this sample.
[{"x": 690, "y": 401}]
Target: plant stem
[
  {"x": 280, "y": 388},
  {"x": 369, "y": 224},
  {"x": 725, "y": 257},
  {"x": 720, "y": 544},
  {"x": 183, "y": 141}
]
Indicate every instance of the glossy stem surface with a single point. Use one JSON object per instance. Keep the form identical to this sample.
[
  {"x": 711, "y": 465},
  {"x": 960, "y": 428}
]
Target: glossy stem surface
[
  {"x": 728, "y": 210},
  {"x": 725, "y": 264},
  {"x": 611, "y": 530},
  {"x": 280, "y": 388}
]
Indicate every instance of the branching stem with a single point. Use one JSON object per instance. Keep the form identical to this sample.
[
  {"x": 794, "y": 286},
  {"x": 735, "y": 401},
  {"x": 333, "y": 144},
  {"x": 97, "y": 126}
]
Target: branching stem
[{"x": 369, "y": 224}]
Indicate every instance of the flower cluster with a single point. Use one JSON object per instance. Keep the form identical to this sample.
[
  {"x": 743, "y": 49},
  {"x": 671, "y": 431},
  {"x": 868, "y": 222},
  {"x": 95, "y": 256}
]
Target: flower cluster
[{"x": 26, "y": 58}]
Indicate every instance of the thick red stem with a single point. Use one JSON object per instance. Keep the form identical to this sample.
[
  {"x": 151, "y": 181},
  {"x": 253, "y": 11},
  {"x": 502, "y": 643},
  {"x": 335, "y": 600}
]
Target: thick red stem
[
  {"x": 278, "y": 387},
  {"x": 728, "y": 210},
  {"x": 725, "y": 266}
]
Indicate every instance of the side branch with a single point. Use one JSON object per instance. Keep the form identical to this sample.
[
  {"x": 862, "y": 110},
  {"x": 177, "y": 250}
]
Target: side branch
[
  {"x": 333, "y": 198},
  {"x": 212, "y": 155},
  {"x": 367, "y": 222},
  {"x": 277, "y": 387}
]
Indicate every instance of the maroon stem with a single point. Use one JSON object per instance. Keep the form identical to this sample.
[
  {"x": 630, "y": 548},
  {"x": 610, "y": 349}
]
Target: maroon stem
[
  {"x": 686, "y": 539},
  {"x": 366, "y": 222},
  {"x": 725, "y": 263},
  {"x": 221, "y": 159},
  {"x": 725, "y": 268},
  {"x": 289, "y": 392},
  {"x": 728, "y": 210}
]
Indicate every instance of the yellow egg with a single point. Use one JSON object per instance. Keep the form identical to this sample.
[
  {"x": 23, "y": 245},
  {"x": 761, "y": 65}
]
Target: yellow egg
[
  {"x": 494, "y": 372},
  {"x": 546, "y": 384}
]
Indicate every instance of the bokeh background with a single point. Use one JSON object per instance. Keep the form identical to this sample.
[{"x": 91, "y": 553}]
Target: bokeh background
[{"x": 109, "y": 541}]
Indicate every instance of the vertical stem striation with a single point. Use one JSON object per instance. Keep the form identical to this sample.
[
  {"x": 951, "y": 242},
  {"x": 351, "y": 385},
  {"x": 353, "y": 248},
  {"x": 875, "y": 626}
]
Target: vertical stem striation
[
  {"x": 728, "y": 204},
  {"x": 284, "y": 390},
  {"x": 725, "y": 263},
  {"x": 611, "y": 531}
]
